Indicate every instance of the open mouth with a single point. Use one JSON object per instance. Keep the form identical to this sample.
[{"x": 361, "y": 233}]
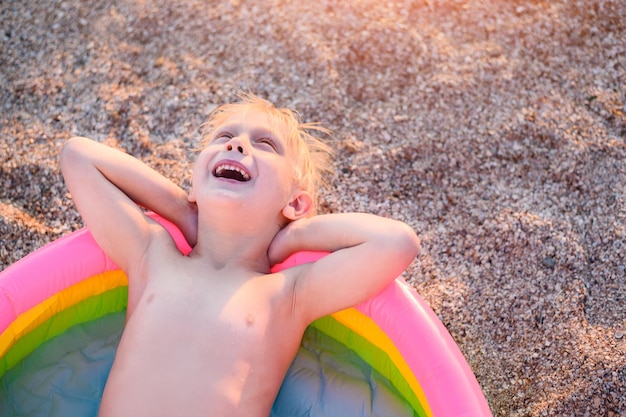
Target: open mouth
[{"x": 232, "y": 172}]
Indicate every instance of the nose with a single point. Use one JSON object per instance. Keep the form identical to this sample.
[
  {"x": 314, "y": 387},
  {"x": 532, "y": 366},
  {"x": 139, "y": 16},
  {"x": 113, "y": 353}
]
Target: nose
[
  {"x": 230, "y": 147},
  {"x": 236, "y": 144}
]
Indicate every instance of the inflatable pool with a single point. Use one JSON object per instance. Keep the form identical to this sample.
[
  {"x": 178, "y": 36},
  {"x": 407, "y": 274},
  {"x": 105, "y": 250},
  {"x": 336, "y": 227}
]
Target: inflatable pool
[{"x": 62, "y": 311}]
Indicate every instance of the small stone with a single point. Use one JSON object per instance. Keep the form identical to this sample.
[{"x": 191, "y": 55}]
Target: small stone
[
  {"x": 549, "y": 262},
  {"x": 401, "y": 118}
]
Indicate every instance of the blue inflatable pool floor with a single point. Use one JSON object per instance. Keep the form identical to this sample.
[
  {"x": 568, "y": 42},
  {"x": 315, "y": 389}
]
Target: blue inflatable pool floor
[{"x": 65, "y": 377}]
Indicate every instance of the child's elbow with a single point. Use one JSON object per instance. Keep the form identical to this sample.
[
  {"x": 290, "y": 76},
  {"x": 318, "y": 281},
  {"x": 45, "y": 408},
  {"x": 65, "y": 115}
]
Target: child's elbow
[
  {"x": 410, "y": 241},
  {"x": 402, "y": 241},
  {"x": 70, "y": 153}
]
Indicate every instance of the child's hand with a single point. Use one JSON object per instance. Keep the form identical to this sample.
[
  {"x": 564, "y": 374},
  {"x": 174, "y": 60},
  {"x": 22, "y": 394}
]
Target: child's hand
[{"x": 283, "y": 244}]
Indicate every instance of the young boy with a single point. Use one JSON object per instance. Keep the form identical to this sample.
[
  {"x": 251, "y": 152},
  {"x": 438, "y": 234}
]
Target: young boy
[{"x": 213, "y": 333}]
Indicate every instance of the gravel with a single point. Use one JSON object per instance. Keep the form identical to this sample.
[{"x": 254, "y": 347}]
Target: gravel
[{"x": 495, "y": 128}]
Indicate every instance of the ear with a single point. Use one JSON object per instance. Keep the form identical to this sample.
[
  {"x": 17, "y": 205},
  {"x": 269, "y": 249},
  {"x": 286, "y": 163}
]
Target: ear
[{"x": 299, "y": 206}]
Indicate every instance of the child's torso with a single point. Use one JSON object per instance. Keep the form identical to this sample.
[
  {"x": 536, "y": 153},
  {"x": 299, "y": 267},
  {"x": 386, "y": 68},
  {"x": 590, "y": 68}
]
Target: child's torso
[{"x": 210, "y": 343}]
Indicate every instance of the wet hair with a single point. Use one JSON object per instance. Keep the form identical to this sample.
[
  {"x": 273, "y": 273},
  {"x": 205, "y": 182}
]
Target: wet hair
[{"x": 311, "y": 156}]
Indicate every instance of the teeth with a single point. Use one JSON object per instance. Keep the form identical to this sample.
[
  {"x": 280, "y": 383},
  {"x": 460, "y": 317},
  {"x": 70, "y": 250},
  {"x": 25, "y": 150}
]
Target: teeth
[{"x": 229, "y": 167}]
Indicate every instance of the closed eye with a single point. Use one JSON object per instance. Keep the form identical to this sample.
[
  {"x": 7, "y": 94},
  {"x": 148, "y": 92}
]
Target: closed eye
[
  {"x": 269, "y": 142},
  {"x": 222, "y": 137}
]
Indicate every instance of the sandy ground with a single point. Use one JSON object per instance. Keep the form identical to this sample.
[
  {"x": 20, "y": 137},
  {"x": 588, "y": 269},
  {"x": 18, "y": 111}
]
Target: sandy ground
[{"x": 495, "y": 128}]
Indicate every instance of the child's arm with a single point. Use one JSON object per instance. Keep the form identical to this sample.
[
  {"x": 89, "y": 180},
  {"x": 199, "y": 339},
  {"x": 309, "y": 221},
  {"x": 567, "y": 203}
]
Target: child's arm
[
  {"x": 107, "y": 185},
  {"x": 368, "y": 252}
]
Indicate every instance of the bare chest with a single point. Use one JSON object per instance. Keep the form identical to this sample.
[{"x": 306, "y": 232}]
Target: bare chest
[{"x": 227, "y": 314}]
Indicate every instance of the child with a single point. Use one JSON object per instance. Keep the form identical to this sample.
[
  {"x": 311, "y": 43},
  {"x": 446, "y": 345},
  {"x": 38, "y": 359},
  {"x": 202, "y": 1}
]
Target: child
[{"x": 213, "y": 333}]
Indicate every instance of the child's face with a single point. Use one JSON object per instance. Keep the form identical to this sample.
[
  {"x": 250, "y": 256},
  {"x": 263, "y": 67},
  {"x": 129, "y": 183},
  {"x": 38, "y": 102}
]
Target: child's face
[{"x": 247, "y": 161}]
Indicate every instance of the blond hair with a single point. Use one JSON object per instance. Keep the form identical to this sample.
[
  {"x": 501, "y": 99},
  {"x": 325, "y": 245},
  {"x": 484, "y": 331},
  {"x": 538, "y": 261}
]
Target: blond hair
[{"x": 310, "y": 155}]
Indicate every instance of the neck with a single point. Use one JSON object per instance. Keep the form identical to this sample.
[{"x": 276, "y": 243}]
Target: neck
[{"x": 236, "y": 246}]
